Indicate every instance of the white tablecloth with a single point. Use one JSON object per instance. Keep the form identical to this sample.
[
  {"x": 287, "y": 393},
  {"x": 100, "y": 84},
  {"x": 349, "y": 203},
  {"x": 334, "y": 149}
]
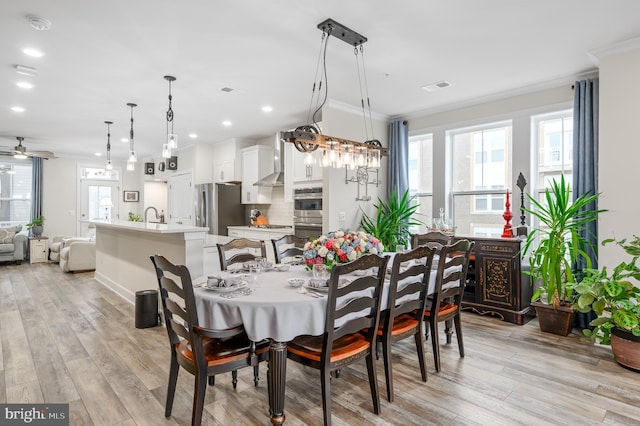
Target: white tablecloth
[{"x": 274, "y": 310}]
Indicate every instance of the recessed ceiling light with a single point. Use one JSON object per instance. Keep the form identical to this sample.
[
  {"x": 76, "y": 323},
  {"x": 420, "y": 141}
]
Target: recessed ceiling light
[
  {"x": 33, "y": 52},
  {"x": 193, "y": 135},
  {"x": 24, "y": 85},
  {"x": 124, "y": 140},
  {"x": 17, "y": 109},
  {"x": 226, "y": 123},
  {"x": 98, "y": 154},
  {"x": 21, "y": 69},
  {"x": 227, "y": 89},
  {"x": 267, "y": 108}
]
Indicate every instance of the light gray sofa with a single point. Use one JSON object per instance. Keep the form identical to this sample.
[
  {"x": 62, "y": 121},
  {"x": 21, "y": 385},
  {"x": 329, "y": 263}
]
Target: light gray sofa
[{"x": 13, "y": 245}]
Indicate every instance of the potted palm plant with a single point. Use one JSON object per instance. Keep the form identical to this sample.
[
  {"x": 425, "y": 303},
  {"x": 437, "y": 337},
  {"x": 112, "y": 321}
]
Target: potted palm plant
[
  {"x": 616, "y": 301},
  {"x": 36, "y": 226},
  {"x": 553, "y": 248},
  {"x": 392, "y": 221}
]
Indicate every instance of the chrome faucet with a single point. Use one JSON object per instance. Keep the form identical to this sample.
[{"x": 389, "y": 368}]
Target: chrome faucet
[{"x": 150, "y": 208}]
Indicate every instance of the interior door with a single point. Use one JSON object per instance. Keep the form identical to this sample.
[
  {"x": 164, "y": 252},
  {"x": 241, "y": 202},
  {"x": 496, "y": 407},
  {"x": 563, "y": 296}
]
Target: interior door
[
  {"x": 181, "y": 200},
  {"x": 99, "y": 200}
]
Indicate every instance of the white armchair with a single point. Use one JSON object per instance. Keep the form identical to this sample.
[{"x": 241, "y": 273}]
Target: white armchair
[{"x": 78, "y": 256}]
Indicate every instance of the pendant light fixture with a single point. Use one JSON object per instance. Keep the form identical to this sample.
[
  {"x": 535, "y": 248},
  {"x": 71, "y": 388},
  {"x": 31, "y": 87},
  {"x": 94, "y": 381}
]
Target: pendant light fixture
[
  {"x": 133, "y": 158},
  {"x": 338, "y": 152},
  {"x": 109, "y": 166},
  {"x": 172, "y": 137}
]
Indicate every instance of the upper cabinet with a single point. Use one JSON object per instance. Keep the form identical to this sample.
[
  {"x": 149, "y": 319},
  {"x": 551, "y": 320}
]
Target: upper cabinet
[
  {"x": 257, "y": 162},
  {"x": 227, "y": 160}
]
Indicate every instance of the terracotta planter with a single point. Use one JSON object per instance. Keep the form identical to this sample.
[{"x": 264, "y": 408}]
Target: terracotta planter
[
  {"x": 558, "y": 320},
  {"x": 626, "y": 349}
]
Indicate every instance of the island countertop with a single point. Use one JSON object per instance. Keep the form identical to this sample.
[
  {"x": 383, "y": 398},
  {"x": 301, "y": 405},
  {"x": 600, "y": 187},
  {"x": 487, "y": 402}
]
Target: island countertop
[{"x": 156, "y": 228}]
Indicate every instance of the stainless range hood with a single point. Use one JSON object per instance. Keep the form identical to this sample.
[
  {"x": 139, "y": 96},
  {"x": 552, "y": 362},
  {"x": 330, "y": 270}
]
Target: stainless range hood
[{"x": 277, "y": 177}]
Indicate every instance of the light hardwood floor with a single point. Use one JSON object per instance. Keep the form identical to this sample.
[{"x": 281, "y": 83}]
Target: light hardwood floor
[{"x": 65, "y": 338}]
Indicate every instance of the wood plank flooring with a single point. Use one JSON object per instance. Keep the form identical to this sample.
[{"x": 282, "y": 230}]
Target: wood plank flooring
[{"x": 66, "y": 338}]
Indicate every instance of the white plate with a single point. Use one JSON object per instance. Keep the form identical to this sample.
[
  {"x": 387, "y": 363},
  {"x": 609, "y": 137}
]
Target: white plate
[{"x": 235, "y": 287}]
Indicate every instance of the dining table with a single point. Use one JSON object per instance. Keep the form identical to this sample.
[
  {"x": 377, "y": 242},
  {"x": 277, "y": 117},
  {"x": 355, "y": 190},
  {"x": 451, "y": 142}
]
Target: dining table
[{"x": 270, "y": 308}]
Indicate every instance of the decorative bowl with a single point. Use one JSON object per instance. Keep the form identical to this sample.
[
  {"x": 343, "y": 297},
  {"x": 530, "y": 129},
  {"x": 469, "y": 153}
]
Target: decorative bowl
[
  {"x": 282, "y": 267},
  {"x": 296, "y": 282}
]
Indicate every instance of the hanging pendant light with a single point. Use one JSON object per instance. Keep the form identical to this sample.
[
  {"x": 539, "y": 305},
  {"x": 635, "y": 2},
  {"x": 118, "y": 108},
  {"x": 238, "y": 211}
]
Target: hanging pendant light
[
  {"x": 133, "y": 158},
  {"x": 172, "y": 137},
  {"x": 109, "y": 166}
]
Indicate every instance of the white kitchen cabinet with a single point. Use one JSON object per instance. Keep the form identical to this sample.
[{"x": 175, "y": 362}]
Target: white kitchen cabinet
[
  {"x": 303, "y": 173},
  {"x": 297, "y": 173},
  {"x": 211, "y": 261},
  {"x": 227, "y": 160},
  {"x": 257, "y": 162}
]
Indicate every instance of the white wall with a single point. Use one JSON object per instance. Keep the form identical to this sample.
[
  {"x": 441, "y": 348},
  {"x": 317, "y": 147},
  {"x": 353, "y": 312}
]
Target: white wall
[
  {"x": 59, "y": 196},
  {"x": 619, "y": 151}
]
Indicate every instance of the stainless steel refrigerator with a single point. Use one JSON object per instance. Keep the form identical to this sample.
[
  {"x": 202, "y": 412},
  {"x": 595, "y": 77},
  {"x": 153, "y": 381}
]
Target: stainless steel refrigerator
[{"x": 218, "y": 206}]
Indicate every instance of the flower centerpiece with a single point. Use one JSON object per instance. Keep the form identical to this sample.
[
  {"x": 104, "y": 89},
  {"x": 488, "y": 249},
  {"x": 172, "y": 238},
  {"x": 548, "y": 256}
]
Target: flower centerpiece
[{"x": 340, "y": 247}]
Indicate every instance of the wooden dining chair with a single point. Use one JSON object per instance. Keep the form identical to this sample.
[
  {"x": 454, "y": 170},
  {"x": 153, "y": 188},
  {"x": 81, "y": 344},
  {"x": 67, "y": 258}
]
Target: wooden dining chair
[
  {"x": 351, "y": 308},
  {"x": 202, "y": 352},
  {"x": 430, "y": 237},
  {"x": 445, "y": 303},
  {"x": 407, "y": 299},
  {"x": 240, "y": 250},
  {"x": 288, "y": 246}
]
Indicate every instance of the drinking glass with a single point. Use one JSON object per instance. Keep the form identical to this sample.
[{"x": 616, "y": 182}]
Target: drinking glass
[
  {"x": 320, "y": 271},
  {"x": 254, "y": 275}
]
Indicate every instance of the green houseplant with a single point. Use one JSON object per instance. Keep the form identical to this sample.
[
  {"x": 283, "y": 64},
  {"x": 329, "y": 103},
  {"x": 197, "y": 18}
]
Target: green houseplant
[
  {"x": 392, "y": 221},
  {"x": 36, "y": 226},
  {"x": 616, "y": 301},
  {"x": 553, "y": 248}
]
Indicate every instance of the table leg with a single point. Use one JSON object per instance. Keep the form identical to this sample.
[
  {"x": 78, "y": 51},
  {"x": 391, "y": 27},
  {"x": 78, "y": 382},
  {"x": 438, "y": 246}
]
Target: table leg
[{"x": 276, "y": 378}]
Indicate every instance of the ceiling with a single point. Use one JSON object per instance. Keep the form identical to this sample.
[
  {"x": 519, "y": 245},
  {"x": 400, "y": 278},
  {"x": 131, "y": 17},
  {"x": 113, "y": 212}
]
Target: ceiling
[{"x": 101, "y": 55}]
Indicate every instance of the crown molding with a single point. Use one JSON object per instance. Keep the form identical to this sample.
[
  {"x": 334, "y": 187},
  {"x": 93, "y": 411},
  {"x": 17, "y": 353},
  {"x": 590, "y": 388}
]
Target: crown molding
[
  {"x": 600, "y": 53},
  {"x": 355, "y": 110}
]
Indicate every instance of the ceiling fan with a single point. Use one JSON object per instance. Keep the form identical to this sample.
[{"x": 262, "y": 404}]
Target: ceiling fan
[{"x": 20, "y": 151}]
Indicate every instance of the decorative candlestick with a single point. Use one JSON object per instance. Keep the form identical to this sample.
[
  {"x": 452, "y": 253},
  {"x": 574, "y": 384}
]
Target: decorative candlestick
[
  {"x": 507, "y": 232},
  {"x": 521, "y": 183}
]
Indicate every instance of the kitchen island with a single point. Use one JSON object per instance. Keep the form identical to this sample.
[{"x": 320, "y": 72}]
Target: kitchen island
[{"x": 123, "y": 249}]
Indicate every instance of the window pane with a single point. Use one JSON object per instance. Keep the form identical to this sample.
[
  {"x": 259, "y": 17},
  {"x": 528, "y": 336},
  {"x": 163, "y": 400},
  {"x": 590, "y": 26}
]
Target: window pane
[
  {"x": 421, "y": 164},
  {"x": 476, "y": 222},
  {"x": 554, "y": 142},
  {"x": 15, "y": 191},
  {"x": 480, "y": 157},
  {"x": 480, "y": 162}
]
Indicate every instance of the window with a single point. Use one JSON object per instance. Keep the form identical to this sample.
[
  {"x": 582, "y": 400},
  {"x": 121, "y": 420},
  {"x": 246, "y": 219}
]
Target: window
[
  {"x": 15, "y": 191},
  {"x": 421, "y": 177},
  {"x": 480, "y": 163},
  {"x": 553, "y": 139}
]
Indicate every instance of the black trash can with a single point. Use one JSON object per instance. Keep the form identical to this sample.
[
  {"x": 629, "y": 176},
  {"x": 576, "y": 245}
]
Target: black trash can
[{"x": 146, "y": 308}]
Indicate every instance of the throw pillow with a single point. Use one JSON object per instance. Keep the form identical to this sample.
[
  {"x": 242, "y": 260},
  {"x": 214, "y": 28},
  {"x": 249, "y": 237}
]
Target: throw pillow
[{"x": 6, "y": 235}]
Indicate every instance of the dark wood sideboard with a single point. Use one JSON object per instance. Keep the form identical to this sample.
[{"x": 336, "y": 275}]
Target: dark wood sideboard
[{"x": 496, "y": 284}]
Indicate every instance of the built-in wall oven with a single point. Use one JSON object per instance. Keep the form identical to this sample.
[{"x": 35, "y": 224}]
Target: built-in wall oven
[{"x": 307, "y": 212}]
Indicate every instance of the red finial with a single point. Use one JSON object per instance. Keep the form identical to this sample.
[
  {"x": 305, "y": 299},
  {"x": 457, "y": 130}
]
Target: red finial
[{"x": 507, "y": 232}]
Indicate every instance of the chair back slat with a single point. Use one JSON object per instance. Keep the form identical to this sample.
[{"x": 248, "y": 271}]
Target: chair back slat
[
  {"x": 356, "y": 305},
  {"x": 178, "y": 301},
  {"x": 430, "y": 237},
  {"x": 408, "y": 284},
  {"x": 293, "y": 246},
  {"x": 450, "y": 284},
  {"x": 249, "y": 247}
]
